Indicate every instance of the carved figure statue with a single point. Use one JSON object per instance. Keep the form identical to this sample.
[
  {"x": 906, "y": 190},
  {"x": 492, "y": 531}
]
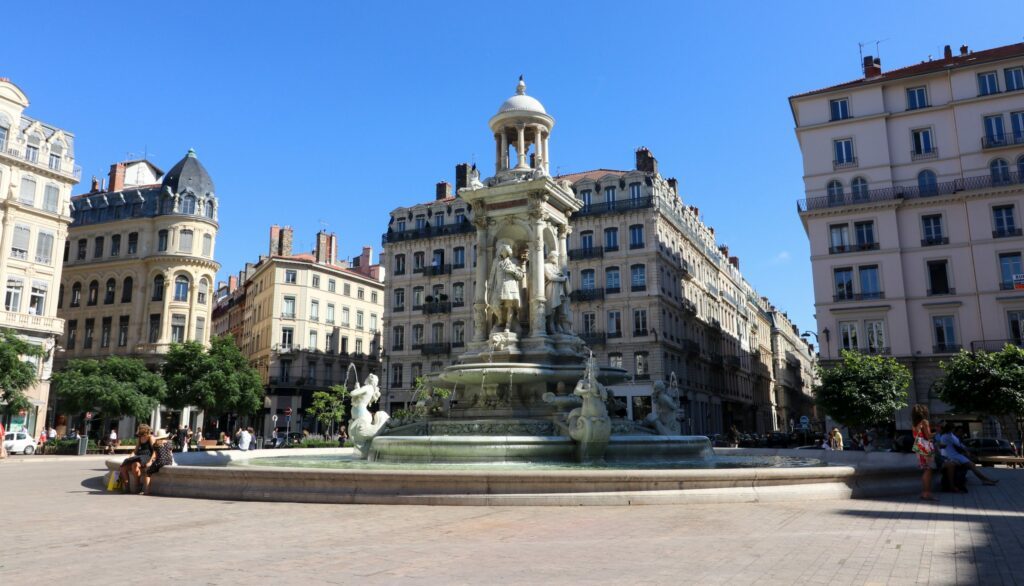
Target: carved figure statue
[
  {"x": 502, "y": 289},
  {"x": 556, "y": 291},
  {"x": 474, "y": 178},
  {"x": 589, "y": 424},
  {"x": 363, "y": 426},
  {"x": 666, "y": 414}
]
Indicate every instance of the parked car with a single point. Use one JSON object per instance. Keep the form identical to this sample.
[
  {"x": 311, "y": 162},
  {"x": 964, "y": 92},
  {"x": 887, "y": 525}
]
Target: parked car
[
  {"x": 20, "y": 442},
  {"x": 988, "y": 446}
]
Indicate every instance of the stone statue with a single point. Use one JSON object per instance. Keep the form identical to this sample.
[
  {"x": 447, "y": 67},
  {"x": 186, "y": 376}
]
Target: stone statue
[
  {"x": 474, "y": 178},
  {"x": 589, "y": 424},
  {"x": 666, "y": 414},
  {"x": 556, "y": 291},
  {"x": 502, "y": 289},
  {"x": 363, "y": 427}
]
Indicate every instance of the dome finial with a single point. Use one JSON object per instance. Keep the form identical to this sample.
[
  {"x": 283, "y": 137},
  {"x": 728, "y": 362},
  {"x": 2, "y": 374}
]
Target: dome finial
[
  {"x": 521, "y": 86},
  {"x": 191, "y": 153}
]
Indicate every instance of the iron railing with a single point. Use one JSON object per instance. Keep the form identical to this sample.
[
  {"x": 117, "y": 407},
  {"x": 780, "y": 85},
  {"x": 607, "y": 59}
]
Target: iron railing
[
  {"x": 843, "y": 248},
  {"x": 427, "y": 231},
  {"x": 934, "y": 241},
  {"x": 945, "y": 348},
  {"x": 994, "y": 345},
  {"x": 432, "y": 307},
  {"x": 587, "y": 294},
  {"x": 586, "y": 252},
  {"x": 909, "y": 191},
  {"x": 436, "y": 348},
  {"x": 618, "y": 206},
  {"x": 593, "y": 338},
  {"x": 1002, "y": 140},
  {"x": 858, "y": 296}
]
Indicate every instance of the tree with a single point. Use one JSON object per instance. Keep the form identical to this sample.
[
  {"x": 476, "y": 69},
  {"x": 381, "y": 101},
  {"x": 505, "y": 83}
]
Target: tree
[
  {"x": 16, "y": 373},
  {"x": 985, "y": 382},
  {"x": 218, "y": 379},
  {"x": 114, "y": 387},
  {"x": 863, "y": 389},
  {"x": 328, "y": 407}
]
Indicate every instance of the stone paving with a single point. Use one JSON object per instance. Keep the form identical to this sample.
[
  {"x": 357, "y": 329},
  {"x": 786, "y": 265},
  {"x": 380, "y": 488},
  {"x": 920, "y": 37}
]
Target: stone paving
[{"x": 60, "y": 527}]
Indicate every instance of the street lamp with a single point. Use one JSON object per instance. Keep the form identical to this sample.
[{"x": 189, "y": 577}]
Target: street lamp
[{"x": 828, "y": 348}]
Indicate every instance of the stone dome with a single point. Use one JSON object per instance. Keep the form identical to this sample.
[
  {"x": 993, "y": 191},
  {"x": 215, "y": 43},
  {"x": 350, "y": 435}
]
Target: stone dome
[
  {"x": 189, "y": 175},
  {"x": 522, "y": 102}
]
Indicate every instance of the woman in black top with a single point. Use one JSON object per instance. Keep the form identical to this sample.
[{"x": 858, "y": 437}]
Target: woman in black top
[
  {"x": 142, "y": 456},
  {"x": 163, "y": 455}
]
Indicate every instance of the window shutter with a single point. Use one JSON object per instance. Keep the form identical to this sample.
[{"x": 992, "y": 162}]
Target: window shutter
[
  {"x": 50, "y": 197},
  {"x": 28, "y": 191},
  {"x": 44, "y": 247},
  {"x": 21, "y": 238}
]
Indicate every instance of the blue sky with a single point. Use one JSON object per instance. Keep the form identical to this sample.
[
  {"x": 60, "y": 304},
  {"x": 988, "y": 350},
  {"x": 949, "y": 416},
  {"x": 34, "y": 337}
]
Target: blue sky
[{"x": 338, "y": 112}]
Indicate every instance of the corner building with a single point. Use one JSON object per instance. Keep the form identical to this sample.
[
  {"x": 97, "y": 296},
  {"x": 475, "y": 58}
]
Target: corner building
[
  {"x": 652, "y": 291},
  {"x": 913, "y": 182},
  {"x": 37, "y": 173}
]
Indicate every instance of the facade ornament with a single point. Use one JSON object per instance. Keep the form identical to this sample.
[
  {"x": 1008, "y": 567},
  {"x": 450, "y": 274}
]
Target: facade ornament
[
  {"x": 667, "y": 414},
  {"x": 589, "y": 424},
  {"x": 501, "y": 290},
  {"x": 556, "y": 293},
  {"x": 363, "y": 426}
]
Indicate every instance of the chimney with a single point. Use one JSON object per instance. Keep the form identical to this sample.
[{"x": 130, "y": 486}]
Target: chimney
[
  {"x": 322, "y": 247},
  {"x": 116, "y": 175},
  {"x": 947, "y": 52},
  {"x": 461, "y": 176},
  {"x": 95, "y": 185},
  {"x": 963, "y": 50},
  {"x": 872, "y": 67},
  {"x": 275, "y": 239},
  {"x": 232, "y": 283},
  {"x": 443, "y": 190},
  {"x": 673, "y": 184},
  {"x": 735, "y": 261},
  {"x": 280, "y": 240},
  {"x": 645, "y": 161},
  {"x": 286, "y": 241},
  {"x": 724, "y": 249},
  {"x": 332, "y": 249}
]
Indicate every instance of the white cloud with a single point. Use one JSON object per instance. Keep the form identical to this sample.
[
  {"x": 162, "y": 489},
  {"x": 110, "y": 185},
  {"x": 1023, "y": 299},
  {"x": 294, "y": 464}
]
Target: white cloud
[{"x": 781, "y": 258}]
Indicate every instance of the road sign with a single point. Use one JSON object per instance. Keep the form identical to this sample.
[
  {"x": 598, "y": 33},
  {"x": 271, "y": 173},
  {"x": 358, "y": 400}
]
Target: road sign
[
  {"x": 288, "y": 411},
  {"x": 274, "y": 419},
  {"x": 88, "y": 415},
  {"x": 1018, "y": 281},
  {"x": 805, "y": 421}
]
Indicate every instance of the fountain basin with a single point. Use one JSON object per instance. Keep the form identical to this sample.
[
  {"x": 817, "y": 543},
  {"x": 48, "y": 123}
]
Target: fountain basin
[{"x": 478, "y": 373}]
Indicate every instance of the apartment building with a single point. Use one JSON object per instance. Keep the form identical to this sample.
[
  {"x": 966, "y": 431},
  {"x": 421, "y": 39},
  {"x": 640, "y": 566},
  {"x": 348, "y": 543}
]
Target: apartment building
[
  {"x": 37, "y": 173},
  {"x": 913, "y": 205},
  {"x": 306, "y": 321},
  {"x": 652, "y": 293}
]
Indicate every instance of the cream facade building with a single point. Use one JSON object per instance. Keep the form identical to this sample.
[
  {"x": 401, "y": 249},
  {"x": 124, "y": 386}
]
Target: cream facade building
[
  {"x": 306, "y": 321},
  {"x": 37, "y": 173},
  {"x": 653, "y": 292},
  {"x": 913, "y": 206}
]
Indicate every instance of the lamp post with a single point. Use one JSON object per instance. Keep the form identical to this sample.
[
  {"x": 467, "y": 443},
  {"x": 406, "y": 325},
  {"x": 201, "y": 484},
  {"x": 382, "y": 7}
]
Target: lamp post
[{"x": 828, "y": 346}]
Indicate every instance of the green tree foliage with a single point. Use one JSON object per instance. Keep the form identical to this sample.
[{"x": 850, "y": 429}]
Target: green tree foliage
[
  {"x": 984, "y": 382},
  {"x": 863, "y": 390},
  {"x": 218, "y": 380},
  {"x": 114, "y": 387},
  {"x": 328, "y": 407},
  {"x": 16, "y": 373}
]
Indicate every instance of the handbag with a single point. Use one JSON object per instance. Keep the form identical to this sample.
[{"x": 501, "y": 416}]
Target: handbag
[
  {"x": 114, "y": 481},
  {"x": 923, "y": 447}
]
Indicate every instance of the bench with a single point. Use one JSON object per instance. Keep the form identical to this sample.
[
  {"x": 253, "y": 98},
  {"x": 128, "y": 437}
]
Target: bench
[
  {"x": 211, "y": 445},
  {"x": 1009, "y": 461}
]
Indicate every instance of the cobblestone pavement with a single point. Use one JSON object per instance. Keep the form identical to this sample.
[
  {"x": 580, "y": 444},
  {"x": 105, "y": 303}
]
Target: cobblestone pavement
[{"x": 60, "y": 527}]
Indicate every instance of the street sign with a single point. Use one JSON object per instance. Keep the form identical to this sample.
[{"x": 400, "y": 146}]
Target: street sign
[
  {"x": 88, "y": 415},
  {"x": 805, "y": 421},
  {"x": 274, "y": 419}
]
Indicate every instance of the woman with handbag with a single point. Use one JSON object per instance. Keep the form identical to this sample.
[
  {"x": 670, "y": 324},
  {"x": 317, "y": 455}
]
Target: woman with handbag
[{"x": 924, "y": 448}]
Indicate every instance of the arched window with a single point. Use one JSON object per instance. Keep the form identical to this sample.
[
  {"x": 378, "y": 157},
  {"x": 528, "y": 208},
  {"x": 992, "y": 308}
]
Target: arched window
[
  {"x": 158, "y": 288},
  {"x": 201, "y": 293},
  {"x": 209, "y": 208},
  {"x": 927, "y": 182},
  {"x": 94, "y": 292},
  {"x": 109, "y": 292},
  {"x": 859, "y": 187},
  {"x": 188, "y": 204},
  {"x": 76, "y": 294},
  {"x": 126, "y": 290},
  {"x": 835, "y": 191},
  {"x": 1000, "y": 171},
  {"x": 181, "y": 288}
]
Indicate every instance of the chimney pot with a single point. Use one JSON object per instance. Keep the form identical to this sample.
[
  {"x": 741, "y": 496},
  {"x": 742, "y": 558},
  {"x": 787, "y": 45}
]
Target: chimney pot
[
  {"x": 963, "y": 50},
  {"x": 95, "y": 185},
  {"x": 443, "y": 190},
  {"x": 872, "y": 67},
  {"x": 461, "y": 176},
  {"x": 117, "y": 172},
  {"x": 947, "y": 52},
  {"x": 645, "y": 161}
]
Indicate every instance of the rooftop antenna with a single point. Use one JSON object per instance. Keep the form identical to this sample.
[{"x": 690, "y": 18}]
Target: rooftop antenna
[
  {"x": 878, "y": 52},
  {"x": 323, "y": 224}
]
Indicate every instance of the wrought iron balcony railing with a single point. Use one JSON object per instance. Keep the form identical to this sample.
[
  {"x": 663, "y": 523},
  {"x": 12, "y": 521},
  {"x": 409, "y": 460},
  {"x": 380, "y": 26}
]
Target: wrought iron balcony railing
[
  {"x": 909, "y": 191},
  {"x": 586, "y": 252},
  {"x": 614, "y": 207},
  {"x": 587, "y": 294}
]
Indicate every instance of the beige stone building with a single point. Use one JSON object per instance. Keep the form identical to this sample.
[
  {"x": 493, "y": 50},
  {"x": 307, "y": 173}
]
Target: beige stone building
[
  {"x": 306, "y": 321},
  {"x": 653, "y": 293},
  {"x": 913, "y": 209},
  {"x": 37, "y": 173}
]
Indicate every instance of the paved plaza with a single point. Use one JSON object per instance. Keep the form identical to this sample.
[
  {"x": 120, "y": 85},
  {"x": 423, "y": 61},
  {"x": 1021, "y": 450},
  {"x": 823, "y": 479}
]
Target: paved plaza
[{"x": 60, "y": 527}]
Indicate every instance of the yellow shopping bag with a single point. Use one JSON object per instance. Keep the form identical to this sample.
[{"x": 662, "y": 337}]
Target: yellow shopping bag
[{"x": 112, "y": 481}]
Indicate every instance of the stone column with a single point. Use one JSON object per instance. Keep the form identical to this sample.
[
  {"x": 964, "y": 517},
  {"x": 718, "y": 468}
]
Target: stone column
[
  {"x": 190, "y": 321},
  {"x": 538, "y": 146},
  {"x": 547, "y": 155},
  {"x": 482, "y": 267},
  {"x": 165, "y": 317},
  {"x": 563, "y": 234},
  {"x": 497, "y": 153},
  {"x": 503, "y": 157},
  {"x": 521, "y": 146},
  {"x": 536, "y": 276}
]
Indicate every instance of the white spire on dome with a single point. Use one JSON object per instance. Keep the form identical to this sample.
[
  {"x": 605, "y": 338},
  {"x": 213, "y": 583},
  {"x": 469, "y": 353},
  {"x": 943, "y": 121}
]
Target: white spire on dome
[{"x": 521, "y": 86}]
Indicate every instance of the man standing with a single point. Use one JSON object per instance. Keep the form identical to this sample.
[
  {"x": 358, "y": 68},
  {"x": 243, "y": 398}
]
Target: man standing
[{"x": 244, "y": 439}]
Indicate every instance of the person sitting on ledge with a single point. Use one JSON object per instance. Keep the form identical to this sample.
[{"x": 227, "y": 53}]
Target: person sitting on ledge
[
  {"x": 953, "y": 450},
  {"x": 163, "y": 455},
  {"x": 135, "y": 465}
]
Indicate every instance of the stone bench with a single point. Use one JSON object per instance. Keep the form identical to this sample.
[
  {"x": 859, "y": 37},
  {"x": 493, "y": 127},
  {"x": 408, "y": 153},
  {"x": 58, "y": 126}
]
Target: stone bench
[{"x": 1008, "y": 461}]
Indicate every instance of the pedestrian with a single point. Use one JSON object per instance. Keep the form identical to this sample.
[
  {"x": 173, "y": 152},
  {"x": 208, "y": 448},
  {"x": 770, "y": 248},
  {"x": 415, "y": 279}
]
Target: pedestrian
[
  {"x": 836, "y": 440},
  {"x": 3, "y": 436},
  {"x": 734, "y": 436},
  {"x": 135, "y": 466},
  {"x": 111, "y": 440},
  {"x": 41, "y": 441},
  {"x": 924, "y": 448},
  {"x": 955, "y": 451},
  {"x": 163, "y": 455},
  {"x": 244, "y": 439},
  {"x": 51, "y": 434},
  {"x": 252, "y": 437}
]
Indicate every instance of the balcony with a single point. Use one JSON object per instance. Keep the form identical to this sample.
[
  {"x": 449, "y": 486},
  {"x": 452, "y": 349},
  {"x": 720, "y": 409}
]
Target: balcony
[
  {"x": 614, "y": 335},
  {"x": 397, "y": 347},
  {"x": 640, "y": 333},
  {"x": 638, "y": 287},
  {"x": 435, "y": 270},
  {"x": 878, "y": 351},
  {"x": 436, "y": 348},
  {"x": 858, "y": 296},
  {"x": 689, "y": 306},
  {"x": 594, "y": 338},
  {"x": 432, "y": 307},
  {"x": 288, "y": 315},
  {"x": 459, "y": 302},
  {"x": 945, "y": 348},
  {"x": 859, "y": 247},
  {"x": 72, "y": 171},
  {"x": 612, "y": 248},
  {"x": 916, "y": 155},
  {"x": 845, "y": 164},
  {"x": 941, "y": 291},
  {"x": 908, "y": 191},
  {"x": 397, "y": 308},
  {"x": 691, "y": 347},
  {"x": 426, "y": 232},
  {"x": 1002, "y": 140},
  {"x": 687, "y": 273},
  {"x": 1007, "y": 286},
  {"x": 1007, "y": 233},
  {"x": 28, "y": 321},
  {"x": 732, "y": 362},
  {"x": 587, "y": 294},
  {"x": 635, "y": 245},
  {"x": 994, "y": 345},
  {"x": 935, "y": 241},
  {"x": 587, "y": 252},
  {"x": 612, "y": 290},
  {"x": 616, "y": 207},
  {"x": 459, "y": 344}
]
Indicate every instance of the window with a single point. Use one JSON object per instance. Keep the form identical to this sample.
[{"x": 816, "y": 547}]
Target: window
[
  {"x": 614, "y": 324},
  {"x": 399, "y": 264},
  {"x": 1017, "y": 123},
  {"x": 988, "y": 83},
  {"x": 76, "y": 295},
  {"x": 586, "y": 196},
  {"x": 1015, "y": 322},
  {"x": 12, "y": 298},
  {"x": 875, "y": 330},
  {"x": 345, "y": 319},
  {"x": 438, "y": 220},
  {"x": 346, "y": 289},
  {"x": 638, "y": 277},
  {"x": 82, "y": 244},
  {"x": 586, "y": 240},
  {"x": 67, "y": 250},
  {"x": 181, "y": 286},
  {"x": 56, "y": 152},
  {"x": 922, "y": 139},
  {"x": 611, "y": 239},
  {"x": 332, "y": 285},
  {"x": 460, "y": 216},
  {"x": 185, "y": 241},
  {"x": 587, "y": 280},
  {"x": 421, "y": 222},
  {"x": 870, "y": 286},
  {"x": 105, "y": 327},
  {"x": 161, "y": 241},
  {"x": 1003, "y": 222},
  {"x": 37, "y": 298},
  {"x": 154, "y": 328},
  {"x": 1009, "y": 266},
  {"x": 458, "y": 257},
  {"x": 642, "y": 368},
  {"x": 615, "y": 360},
  {"x": 44, "y": 248},
  {"x": 211, "y": 208},
  {"x": 133, "y": 243},
  {"x": 1014, "y": 77},
  {"x": 843, "y": 282},
  {"x": 90, "y": 328},
  {"x": 330, "y": 313},
  {"x": 417, "y": 336},
  {"x": 188, "y": 204},
  {"x": 458, "y": 334},
  {"x": 636, "y": 236},
  {"x": 373, "y": 322},
  {"x": 207, "y": 245},
  {"x": 110, "y": 292},
  {"x": 859, "y": 187},
  {"x": 290, "y": 276},
  {"x": 312, "y": 340},
  {"x": 396, "y": 375},
  {"x": 917, "y": 97},
  {"x": 204, "y": 286},
  {"x": 72, "y": 333},
  {"x": 589, "y": 322},
  {"x": 458, "y": 294},
  {"x": 417, "y": 262},
  {"x": 158, "y": 288},
  {"x": 417, "y": 298},
  {"x": 639, "y": 322},
  {"x": 1000, "y": 171},
  {"x": 51, "y": 196},
  {"x": 843, "y": 150},
  {"x": 839, "y": 238},
  {"x": 314, "y": 310},
  {"x": 60, "y": 297},
  {"x": 611, "y": 280},
  {"x": 288, "y": 308},
  {"x": 27, "y": 194},
  {"x": 285, "y": 375},
  {"x": 938, "y": 278},
  {"x": 3, "y": 137},
  {"x": 437, "y": 333},
  {"x": 945, "y": 334},
  {"x": 994, "y": 130},
  {"x": 94, "y": 293},
  {"x": 931, "y": 230},
  {"x": 398, "y": 338},
  {"x": 635, "y": 192},
  {"x": 865, "y": 235},
  {"x": 835, "y": 191},
  {"x": 19, "y": 244},
  {"x": 399, "y": 303},
  {"x": 287, "y": 337},
  {"x": 839, "y": 109},
  {"x": 359, "y": 345},
  {"x": 927, "y": 183},
  {"x": 97, "y": 249},
  {"x": 848, "y": 335},
  {"x": 115, "y": 245},
  {"x": 126, "y": 290},
  {"x": 359, "y": 320},
  {"x": 437, "y": 260},
  {"x": 609, "y": 197}
]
